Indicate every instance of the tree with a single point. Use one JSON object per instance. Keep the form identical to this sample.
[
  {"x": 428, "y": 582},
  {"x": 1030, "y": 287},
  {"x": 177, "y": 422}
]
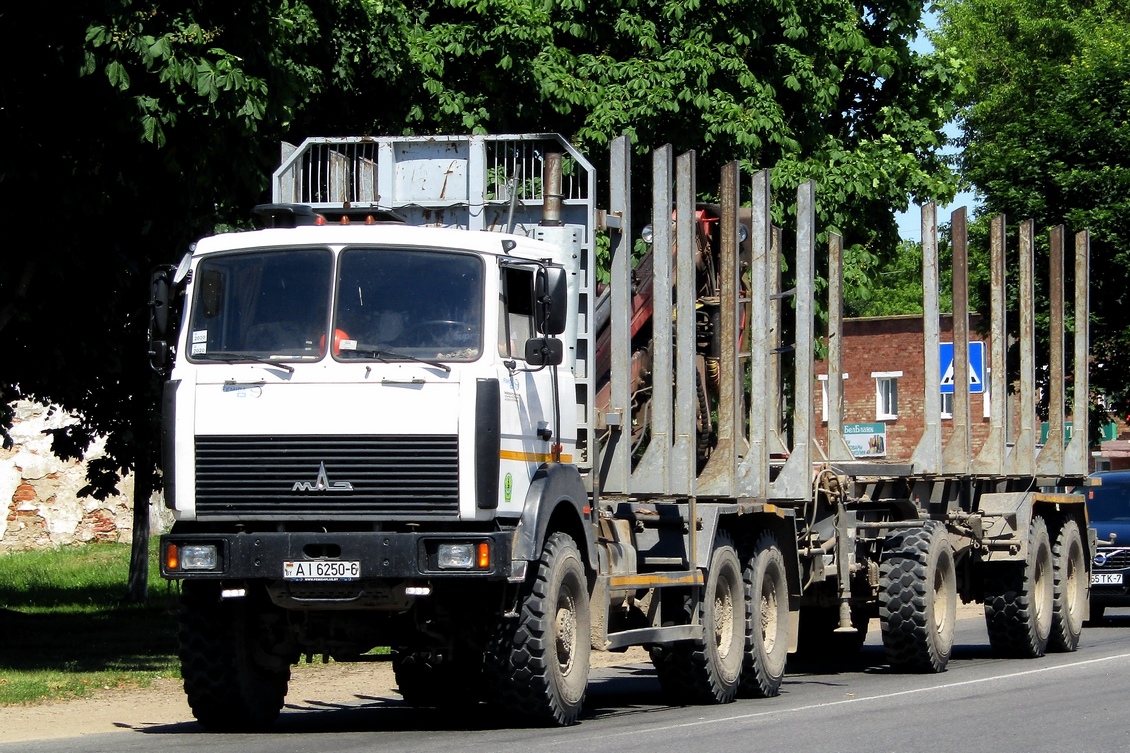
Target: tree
[
  {"x": 132, "y": 129},
  {"x": 829, "y": 90},
  {"x": 1046, "y": 136},
  {"x": 136, "y": 126}
]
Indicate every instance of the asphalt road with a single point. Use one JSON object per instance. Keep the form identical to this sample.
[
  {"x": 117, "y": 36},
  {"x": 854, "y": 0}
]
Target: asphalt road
[{"x": 1062, "y": 702}]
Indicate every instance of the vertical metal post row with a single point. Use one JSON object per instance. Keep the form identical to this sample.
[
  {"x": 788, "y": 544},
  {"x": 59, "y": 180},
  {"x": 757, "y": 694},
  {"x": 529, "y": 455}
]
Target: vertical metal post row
[
  {"x": 618, "y": 451},
  {"x": 837, "y": 448},
  {"x": 957, "y": 458},
  {"x": 927, "y": 457},
  {"x": 1076, "y": 460},
  {"x": 990, "y": 461},
  {"x": 795, "y": 479},
  {"x": 1050, "y": 460},
  {"x": 1022, "y": 460},
  {"x": 753, "y": 473},
  {"x": 652, "y": 472},
  {"x": 683, "y": 457},
  {"x": 719, "y": 476}
]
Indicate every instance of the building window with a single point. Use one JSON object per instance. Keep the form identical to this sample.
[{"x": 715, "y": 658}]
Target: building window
[
  {"x": 886, "y": 395},
  {"x": 824, "y": 395},
  {"x": 947, "y": 405}
]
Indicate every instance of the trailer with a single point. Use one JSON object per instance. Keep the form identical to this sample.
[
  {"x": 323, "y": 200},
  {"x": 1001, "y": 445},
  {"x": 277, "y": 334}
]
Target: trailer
[{"x": 405, "y": 414}]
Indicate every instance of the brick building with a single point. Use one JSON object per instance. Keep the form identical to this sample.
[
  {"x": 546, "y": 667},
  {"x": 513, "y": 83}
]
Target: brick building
[
  {"x": 884, "y": 391},
  {"x": 884, "y": 386}
]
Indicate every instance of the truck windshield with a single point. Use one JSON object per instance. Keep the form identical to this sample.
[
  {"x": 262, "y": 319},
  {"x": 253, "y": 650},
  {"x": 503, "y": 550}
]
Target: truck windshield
[
  {"x": 262, "y": 305},
  {"x": 415, "y": 303},
  {"x": 1108, "y": 502}
]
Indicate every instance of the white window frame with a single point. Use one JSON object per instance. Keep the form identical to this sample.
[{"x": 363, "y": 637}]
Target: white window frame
[
  {"x": 824, "y": 395},
  {"x": 882, "y": 396},
  {"x": 986, "y": 399},
  {"x": 947, "y": 413}
]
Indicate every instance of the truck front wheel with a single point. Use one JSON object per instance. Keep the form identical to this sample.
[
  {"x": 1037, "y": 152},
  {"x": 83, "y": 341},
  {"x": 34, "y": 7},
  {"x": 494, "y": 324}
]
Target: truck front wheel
[
  {"x": 538, "y": 664},
  {"x": 232, "y": 681}
]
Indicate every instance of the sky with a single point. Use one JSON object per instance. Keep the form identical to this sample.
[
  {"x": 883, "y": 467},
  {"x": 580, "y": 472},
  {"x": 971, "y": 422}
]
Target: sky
[{"x": 910, "y": 222}]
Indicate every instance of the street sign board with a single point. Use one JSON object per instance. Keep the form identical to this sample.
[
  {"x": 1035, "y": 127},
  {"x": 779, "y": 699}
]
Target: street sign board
[{"x": 976, "y": 367}]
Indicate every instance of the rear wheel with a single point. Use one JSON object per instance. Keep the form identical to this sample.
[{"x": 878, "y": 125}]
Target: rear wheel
[
  {"x": 708, "y": 671},
  {"x": 767, "y": 619},
  {"x": 918, "y": 598},
  {"x": 538, "y": 664},
  {"x": 232, "y": 681},
  {"x": 1070, "y": 590},
  {"x": 1020, "y": 598}
]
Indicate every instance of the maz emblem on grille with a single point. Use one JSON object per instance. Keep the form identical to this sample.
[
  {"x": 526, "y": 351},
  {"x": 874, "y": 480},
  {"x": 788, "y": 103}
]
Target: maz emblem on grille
[{"x": 322, "y": 483}]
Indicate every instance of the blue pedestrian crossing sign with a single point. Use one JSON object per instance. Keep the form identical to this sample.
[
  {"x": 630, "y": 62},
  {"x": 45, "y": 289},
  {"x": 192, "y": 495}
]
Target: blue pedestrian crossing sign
[{"x": 976, "y": 366}]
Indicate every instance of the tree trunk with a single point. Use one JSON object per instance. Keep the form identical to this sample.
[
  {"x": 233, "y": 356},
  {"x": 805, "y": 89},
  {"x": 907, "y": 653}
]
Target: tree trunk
[{"x": 137, "y": 590}]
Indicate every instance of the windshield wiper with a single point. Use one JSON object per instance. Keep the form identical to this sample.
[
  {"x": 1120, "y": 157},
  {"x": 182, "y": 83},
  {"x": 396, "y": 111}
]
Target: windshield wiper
[
  {"x": 234, "y": 357},
  {"x": 388, "y": 356}
]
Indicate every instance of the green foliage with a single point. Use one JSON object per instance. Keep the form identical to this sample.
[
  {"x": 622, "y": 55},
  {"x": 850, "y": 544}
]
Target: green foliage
[
  {"x": 816, "y": 90},
  {"x": 142, "y": 126},
  {"x": 1047, "y": 136},
  {"x": 68, "y": 633}
]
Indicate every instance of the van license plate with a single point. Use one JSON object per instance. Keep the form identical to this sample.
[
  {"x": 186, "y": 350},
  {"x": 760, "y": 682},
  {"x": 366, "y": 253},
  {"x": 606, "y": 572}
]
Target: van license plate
[
  {"x": 335, "y": 570},
  {"x": 1106, "y": 579}
]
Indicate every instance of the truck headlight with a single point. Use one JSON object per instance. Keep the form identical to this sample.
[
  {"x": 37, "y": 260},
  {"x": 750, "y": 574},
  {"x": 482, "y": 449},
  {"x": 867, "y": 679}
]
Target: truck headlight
[
  {"x": 199, "y": 557},
  {"x": 456, "y": 556}
]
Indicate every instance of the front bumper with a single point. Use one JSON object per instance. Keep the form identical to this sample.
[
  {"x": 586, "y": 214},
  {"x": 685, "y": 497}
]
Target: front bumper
[
  {"x": 1110, "y": 578},
  {"x": 380, "y": 555}
]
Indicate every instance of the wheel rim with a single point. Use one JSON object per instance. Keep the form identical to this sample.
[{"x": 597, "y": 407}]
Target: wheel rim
[
  {"x": 723, "y": 618},
  {"x": 1043, "y": 592},
  {"x": 566, "y": 629},
  {"x": 941, "y": 599},
  {"x": 1072, "y": 582},
  {"x": 768, "y": 614}
]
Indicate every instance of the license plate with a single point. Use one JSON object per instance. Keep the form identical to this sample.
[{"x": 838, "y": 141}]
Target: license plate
[
  {"x": 1106, "y": 579},
  {"x": 321, "y": 570}
]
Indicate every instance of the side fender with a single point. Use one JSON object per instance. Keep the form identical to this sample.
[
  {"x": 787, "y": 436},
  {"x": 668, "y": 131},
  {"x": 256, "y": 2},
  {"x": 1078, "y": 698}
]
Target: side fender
[{"x": 557, "y": 494}]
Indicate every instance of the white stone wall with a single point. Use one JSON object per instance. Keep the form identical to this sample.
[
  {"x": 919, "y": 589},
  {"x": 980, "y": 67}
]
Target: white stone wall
[{"x": 44, "y": 509}]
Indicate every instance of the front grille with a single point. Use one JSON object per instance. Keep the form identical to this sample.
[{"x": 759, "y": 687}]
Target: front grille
[
  {"x": 316, "y": 477},
  {"x": 1112, "y": 559}
]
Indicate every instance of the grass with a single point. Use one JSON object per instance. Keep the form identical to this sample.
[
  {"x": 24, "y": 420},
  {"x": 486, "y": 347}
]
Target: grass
[{"x": 66, "y": 630}]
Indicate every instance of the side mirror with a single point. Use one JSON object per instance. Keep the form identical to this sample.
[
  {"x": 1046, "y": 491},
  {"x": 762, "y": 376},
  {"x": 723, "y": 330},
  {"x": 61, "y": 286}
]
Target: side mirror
[
  {"x": 159, "y": 296},
  {"x": 551, "y": 300},
  {"x": 544, "y": 351}
]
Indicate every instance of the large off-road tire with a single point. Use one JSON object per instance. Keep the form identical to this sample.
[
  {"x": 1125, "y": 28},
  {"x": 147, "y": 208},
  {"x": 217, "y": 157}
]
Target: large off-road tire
[
  {"x": 708, "y": 671},
  {"x": 538, "y": 664},
  {"x": 1070, "y": 592},
  {"x": 767, "y": 620},
  {"x": 918, "y": 598},
  {"x": 232, "y": 682},
  {"x": 1020, "y": 598},
  {"x": 426, "y": 678}
]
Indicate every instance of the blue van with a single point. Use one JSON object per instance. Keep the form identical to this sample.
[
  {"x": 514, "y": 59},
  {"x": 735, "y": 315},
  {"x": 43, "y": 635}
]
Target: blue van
[{"x": 1108, "y": 507}]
